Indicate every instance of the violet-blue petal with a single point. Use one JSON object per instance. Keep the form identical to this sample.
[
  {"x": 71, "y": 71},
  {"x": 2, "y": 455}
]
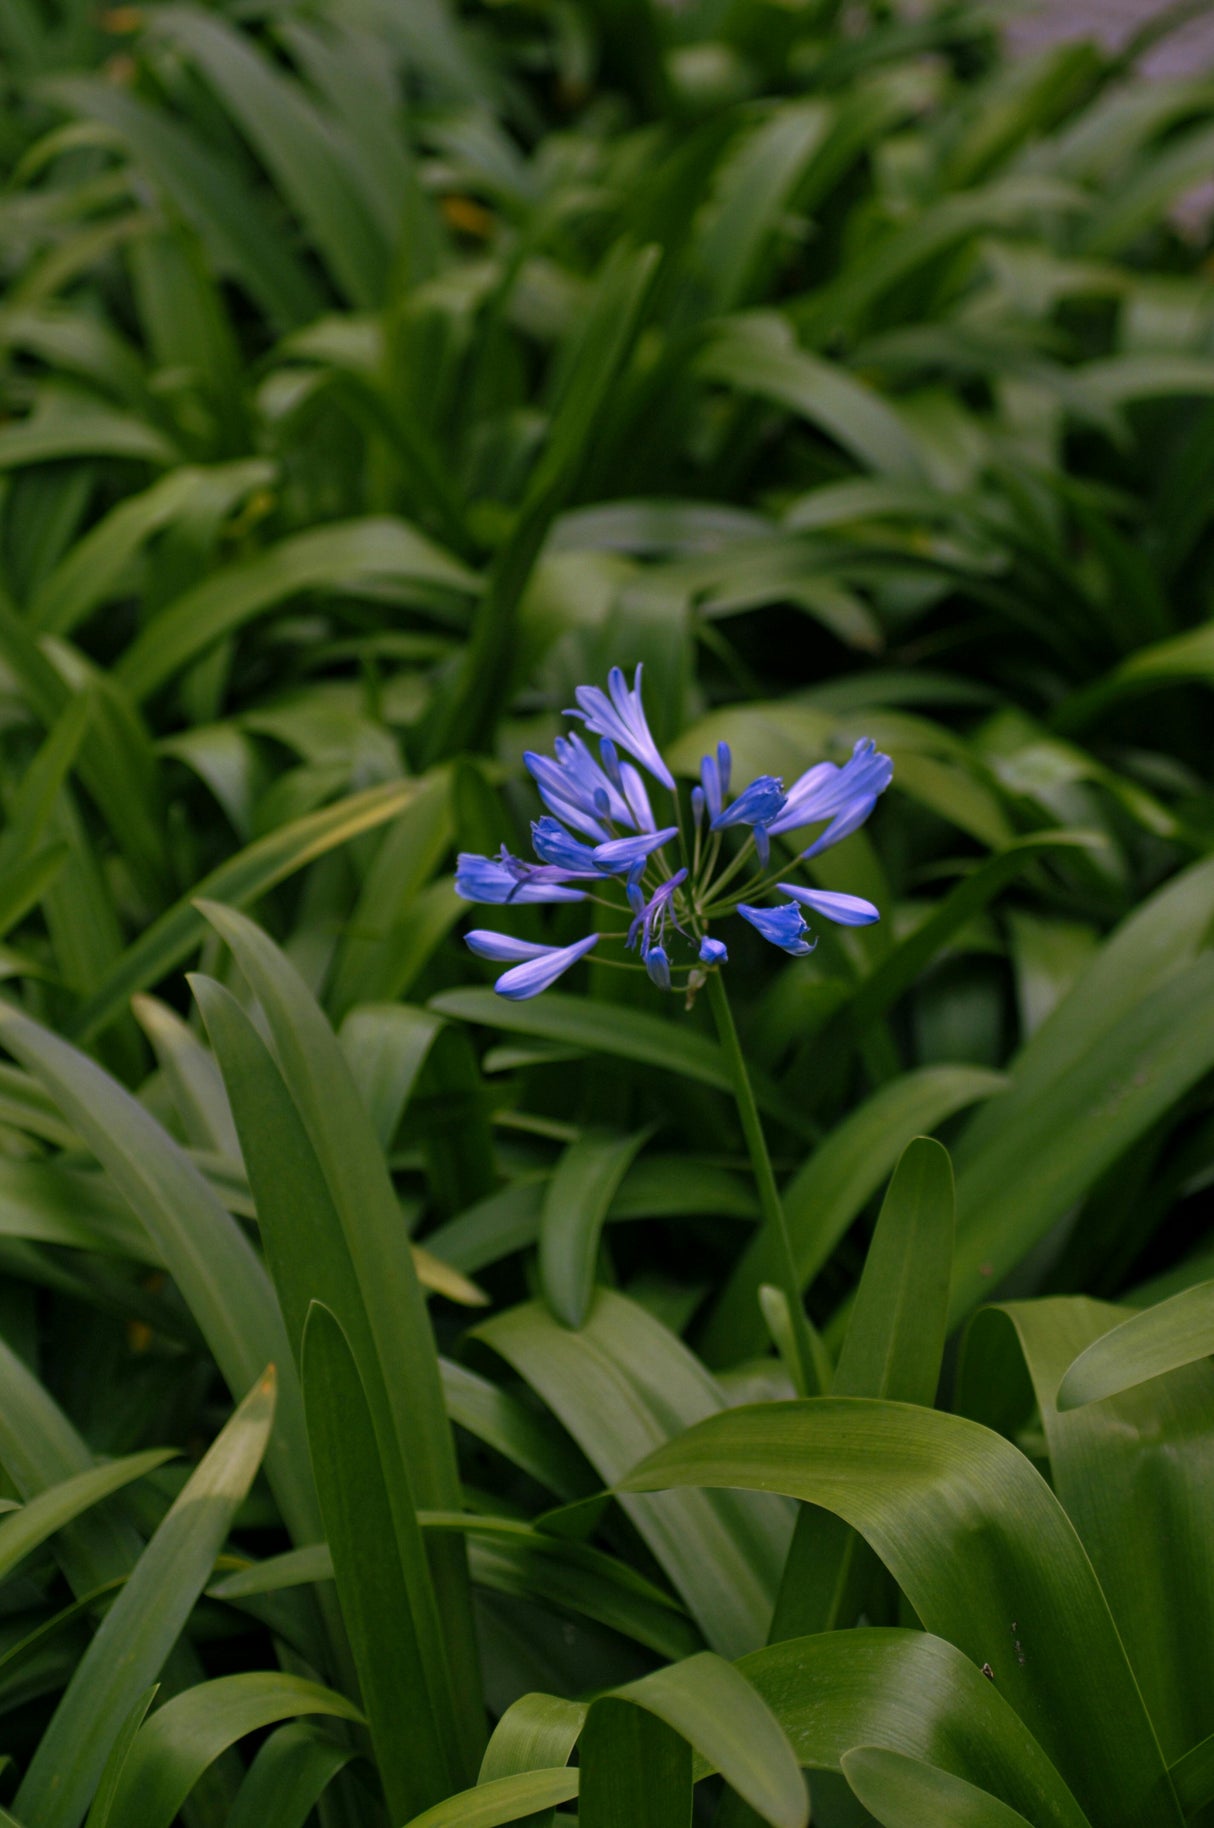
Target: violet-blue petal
[
  {"x": 491, "y": 880},
  {"x": 697, "y": 806},
  {"x": 574, "y": 787},
  {"x": 657, "y": 964},
  {"x": 622, "y": 853},
  {"x": 537, "y": 974},
  {"x": 502, "y": 948},
  {"x": 844, "y": 910},
  {"x": 713, "y": 951},
  {"x": 619, "y": 715},
  {"x": 784, "y": 927},
  {"x": 755, "y": 805},
  {"x": 655, "y": 912},
  {"x": 710, "y": 785},
  {"x": 849, "y": 820},
  {"x": 824, "y": 791},
  {"x": 554, "y": 845}
]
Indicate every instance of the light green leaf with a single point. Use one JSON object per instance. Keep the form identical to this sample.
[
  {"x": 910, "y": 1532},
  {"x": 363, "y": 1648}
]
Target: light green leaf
[
  {"x": 237, "y": 881},
  {"x": 142, "y": 1626},
  {"x": 905, "y": 1792},
  {"x": 52, "y": 1508},
  {"x": 176, "y": 1744},
  {"x": 976, "y": 1540},
  {"x": 1146, "y": 1345},
  {"x": 218, "y": 1272},
  {"x": 328, "y": 557},
  {"x": 575, "y": 1204},
  {"x": 503, "y": 1799},
  {"x": 825, "y": 1195}
]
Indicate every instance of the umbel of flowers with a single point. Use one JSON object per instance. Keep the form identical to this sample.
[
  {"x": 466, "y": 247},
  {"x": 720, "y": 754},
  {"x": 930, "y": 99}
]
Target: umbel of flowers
[{"x": 672, "y": 883}]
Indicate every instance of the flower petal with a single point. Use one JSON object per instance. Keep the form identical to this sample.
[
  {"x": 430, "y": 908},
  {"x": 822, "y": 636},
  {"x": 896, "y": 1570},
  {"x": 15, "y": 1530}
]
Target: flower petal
[
  {"x": 784, "y": 927},
  {"x": 501, "y": 947},
  {"x": 622, "y": 853},
  {"x": 537, "y": 974},
  {"x": 498, "y": 880},
  {"x": 755, "y": 805},
  {"x": 657, "y": 964},
  {"x": 551, "y": 842},
  {"x": 713, "y": 952},
  {"x": 844, "y": 910},
  {"x": 848, "y": 821},
  {"x": 619, "y": 715}
]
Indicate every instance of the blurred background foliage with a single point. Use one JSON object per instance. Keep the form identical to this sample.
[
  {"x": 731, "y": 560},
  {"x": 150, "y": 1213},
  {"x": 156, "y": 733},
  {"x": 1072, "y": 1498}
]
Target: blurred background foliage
[{"x": 372, "y": 374}]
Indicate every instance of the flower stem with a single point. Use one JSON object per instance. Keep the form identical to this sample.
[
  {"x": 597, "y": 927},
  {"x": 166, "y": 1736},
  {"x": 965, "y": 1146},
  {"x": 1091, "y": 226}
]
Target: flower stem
[{"x": 810, "y": 1355}]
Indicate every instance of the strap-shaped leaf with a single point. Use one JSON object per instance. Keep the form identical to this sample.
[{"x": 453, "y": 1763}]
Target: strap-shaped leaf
[
  {"x": 979, "y": 1545},
  {"x": 142, "y": 1626}
]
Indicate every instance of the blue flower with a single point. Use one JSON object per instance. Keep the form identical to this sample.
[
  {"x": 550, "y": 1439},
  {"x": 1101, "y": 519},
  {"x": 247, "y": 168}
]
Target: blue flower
[
  {"x": 658, "y": 966},
  {"x": 621, "y": 717},
  {"x": 541, "y": 971},
  {"x": 552, "y": 842},
  {"x": 669, "y": 911},
  {"x": 714, "y": 778},
  {"x": 841, "y": 826},
  {"x": 653, "y": 914},
  {"x": 576, "y": 789},
  {"x": 624, "y": 853},
  {"x": 757, "y": 804},
  {"x": 497, "y": 880},
  {"x": 844, "y": 910},
  {"x": 825, "y": 791},
  {"x": 784, "y": 927}
]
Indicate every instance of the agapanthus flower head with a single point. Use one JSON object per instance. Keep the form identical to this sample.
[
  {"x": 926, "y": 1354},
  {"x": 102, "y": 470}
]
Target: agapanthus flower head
[{"x": 670, "y": 884}]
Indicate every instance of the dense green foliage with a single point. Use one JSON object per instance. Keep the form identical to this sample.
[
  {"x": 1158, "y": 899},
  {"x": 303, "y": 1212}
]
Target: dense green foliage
[{"x": 375, "y": 372}]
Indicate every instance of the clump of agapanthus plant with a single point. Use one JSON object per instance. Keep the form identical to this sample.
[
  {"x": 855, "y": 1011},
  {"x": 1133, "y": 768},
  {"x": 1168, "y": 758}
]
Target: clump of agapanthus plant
[{"x": 673, "y": 883}]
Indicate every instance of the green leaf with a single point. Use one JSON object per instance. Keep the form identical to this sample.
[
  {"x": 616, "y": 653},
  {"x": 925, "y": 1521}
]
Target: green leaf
[
  {"x": 318, "y": 1173},
  {"x": 625, "y": 1034},
  {"x": 308, "y": 157},
  {"x": 1177, "y": 1332},
  {"x": 744, "y": 356},
  {"x": 241, "y": 235},
  {"x": 142, "y": 1626},
  {"x": 213, "y": 1264},
  {"x": 111, "y": 1777},
  {"x": 1193, "y": 1776},
  {"x": 287, "y": 1778},
  {"x": 976, "y": 1540},
  {"x": 635, "y": 1770},
  {"x": 711, "y": 1705},
  {"x": 93, "y": 567},
  {"x": 575, "y": 1206},
  {"x": 893, "y": 1349},
  {"x": 237, "y": 881},
  {"x": 1118, "y": 1466},
  {"x": 536, "y": 1732},
  {"x": 904, "y": 1792},
  {"x": 176, "y": 1744},
  {"x": 501, "y": 1421},
  {"x": 914, "y": 1693},
  {"x": 379, "y": 1566},
  {"x": 503, "y": 1799},
  {"x": 52, "y": 1508},
  {"x": 1058, "y": 1130},
  {"x": 329, "y": 557},
  {"x": 840, "y": 1176},
  {"x": 622, "y": 1385}
]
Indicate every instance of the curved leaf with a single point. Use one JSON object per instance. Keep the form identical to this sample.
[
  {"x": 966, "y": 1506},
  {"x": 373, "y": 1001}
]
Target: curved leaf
[
  {"x": 978, "y": 1544},
  {"x": 1146, "y": 1345}
]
